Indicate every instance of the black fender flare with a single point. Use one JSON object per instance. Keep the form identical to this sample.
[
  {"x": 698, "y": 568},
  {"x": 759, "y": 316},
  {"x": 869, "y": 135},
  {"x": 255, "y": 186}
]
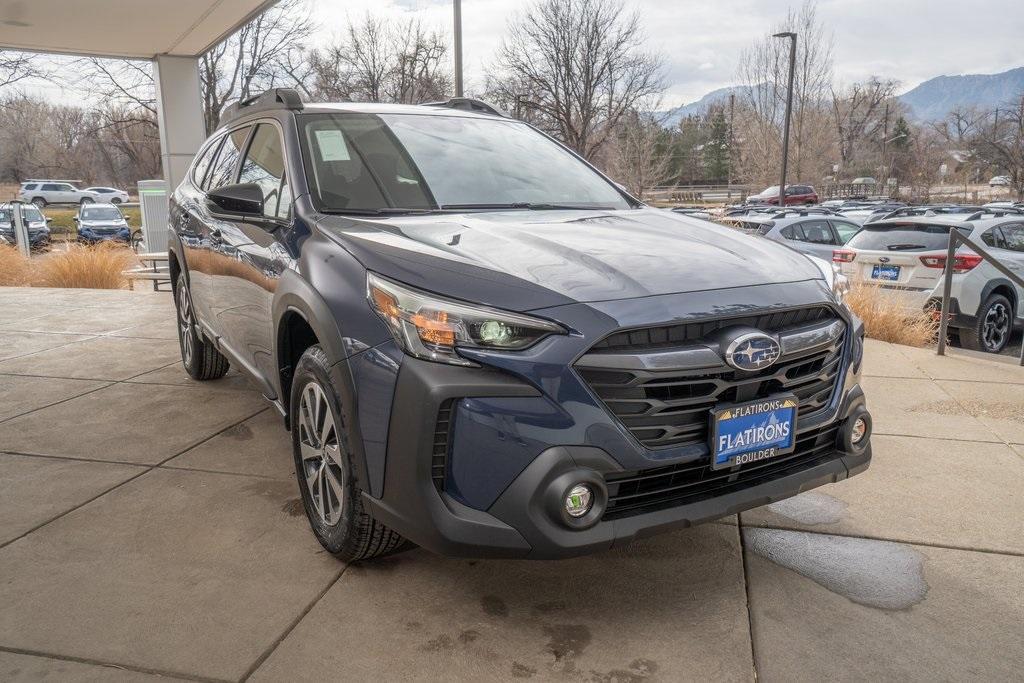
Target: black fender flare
[
  {"x": 991, "y": 286},
  {"x": 295, "y": 295}
]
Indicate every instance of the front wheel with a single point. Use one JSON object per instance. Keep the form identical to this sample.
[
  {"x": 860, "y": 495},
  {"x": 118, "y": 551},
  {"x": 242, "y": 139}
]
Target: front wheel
[
  {"x": 991, "y": 331},
  {"x": 201, "y": 360},
  {"x": 115, "y": 200},
  {"x": 323, "y": 466},
  {"x": 39, "y": 202},
  {"x": 86, "y": 200}
]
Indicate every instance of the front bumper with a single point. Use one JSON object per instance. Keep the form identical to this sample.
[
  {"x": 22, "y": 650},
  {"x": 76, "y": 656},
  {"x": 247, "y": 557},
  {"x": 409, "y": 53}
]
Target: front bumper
[{"x": 521, "y": 521}]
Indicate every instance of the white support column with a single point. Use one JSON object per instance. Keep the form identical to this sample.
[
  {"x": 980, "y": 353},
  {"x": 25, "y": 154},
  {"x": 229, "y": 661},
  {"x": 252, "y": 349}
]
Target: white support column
[{"x": 179, "y": 107}]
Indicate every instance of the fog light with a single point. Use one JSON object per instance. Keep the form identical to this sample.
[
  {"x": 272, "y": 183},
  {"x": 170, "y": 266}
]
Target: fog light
[
  {"x": 860, "y": 428},
  {"x": 579, "y": 500}
]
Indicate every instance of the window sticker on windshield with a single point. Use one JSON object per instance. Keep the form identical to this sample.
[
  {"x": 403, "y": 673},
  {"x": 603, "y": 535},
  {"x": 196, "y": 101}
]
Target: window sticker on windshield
[{"x": 332, "y": 145}]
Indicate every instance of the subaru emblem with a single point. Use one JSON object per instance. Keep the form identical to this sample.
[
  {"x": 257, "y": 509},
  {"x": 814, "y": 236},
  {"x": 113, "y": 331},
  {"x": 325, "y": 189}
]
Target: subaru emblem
[
  {"x": 752, "y": 351},
  {"x": 884, "y": 259}
]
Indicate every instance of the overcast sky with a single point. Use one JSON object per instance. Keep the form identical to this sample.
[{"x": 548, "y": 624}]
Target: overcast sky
[{"x": 909, "y": 40}]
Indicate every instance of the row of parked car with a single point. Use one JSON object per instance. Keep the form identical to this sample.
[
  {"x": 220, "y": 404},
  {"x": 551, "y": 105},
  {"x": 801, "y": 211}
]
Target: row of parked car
[
  {"x": 902, "y": 250},
  {"x": 45, "y": 192},
  {"x": 95, "y": 222}
]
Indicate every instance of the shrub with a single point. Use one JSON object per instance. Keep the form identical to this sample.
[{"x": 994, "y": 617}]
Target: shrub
[
  {"x": 15, "y": 269},
  {"x": 93, "y": 267},
  {"x": 885, "y": 320}
]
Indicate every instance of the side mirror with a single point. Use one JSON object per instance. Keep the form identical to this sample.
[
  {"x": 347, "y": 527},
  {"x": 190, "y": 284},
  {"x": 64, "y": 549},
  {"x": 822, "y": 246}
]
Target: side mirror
[
  {"x": 244, "y": 199},
  {"x": 74, "y": 218},
  {"x": 49, "y": 220}
]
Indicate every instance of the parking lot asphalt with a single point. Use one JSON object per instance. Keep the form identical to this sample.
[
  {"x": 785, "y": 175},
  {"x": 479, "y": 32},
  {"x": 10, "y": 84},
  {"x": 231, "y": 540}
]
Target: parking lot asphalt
[{"x": 150, "y": 527}]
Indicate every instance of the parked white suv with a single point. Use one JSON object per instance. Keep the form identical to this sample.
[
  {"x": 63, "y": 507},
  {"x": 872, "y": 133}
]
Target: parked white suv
[
  {"x": 42, "y": 193},
  {"x": 906, "y": 256}
]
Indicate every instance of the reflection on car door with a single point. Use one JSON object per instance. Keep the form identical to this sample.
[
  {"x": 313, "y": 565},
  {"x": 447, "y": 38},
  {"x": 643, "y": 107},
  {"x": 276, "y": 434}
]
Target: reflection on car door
[
  {"x": 244, "y": 293},
  {"x": 207, "y": 254}
]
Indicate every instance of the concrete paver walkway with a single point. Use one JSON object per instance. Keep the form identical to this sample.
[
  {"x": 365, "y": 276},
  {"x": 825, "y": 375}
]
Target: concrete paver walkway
[{"x": 150, "y": 528}]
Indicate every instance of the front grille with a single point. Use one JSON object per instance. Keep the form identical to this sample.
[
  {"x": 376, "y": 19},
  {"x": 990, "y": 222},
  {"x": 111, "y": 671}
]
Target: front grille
[
  {"x": 640, "y": 491},
  {"x": 442, "y": 440},
  {"x": 672, "y": 408},
  {"x": 689, "y": 332}
]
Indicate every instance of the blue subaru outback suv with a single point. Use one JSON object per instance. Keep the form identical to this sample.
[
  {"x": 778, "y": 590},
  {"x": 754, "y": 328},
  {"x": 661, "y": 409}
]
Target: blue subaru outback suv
[{"x": 482, "y": 346}]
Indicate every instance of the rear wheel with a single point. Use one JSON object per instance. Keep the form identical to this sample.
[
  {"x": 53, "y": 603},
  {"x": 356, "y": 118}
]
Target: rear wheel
[
  {"x": 201, "y": 360},
  {"x": 323, "y": 466},
  {"x": 991, "y": 330},
  {"x": 39, "y": 202},
  {"x": 86, "y": 200}
]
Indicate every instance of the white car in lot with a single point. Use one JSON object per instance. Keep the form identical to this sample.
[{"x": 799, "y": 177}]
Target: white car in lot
[
  {"x": 42, "y": 193},
  {"x": 110, "y": 195},
  {"x": 906, "y": 257},
  {"x": 999, "y": 181}
]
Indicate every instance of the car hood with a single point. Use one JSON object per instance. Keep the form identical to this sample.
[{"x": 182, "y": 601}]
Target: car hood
[
  {"x": 103, "y": 224},
  {"x": 526, "y": 260}
]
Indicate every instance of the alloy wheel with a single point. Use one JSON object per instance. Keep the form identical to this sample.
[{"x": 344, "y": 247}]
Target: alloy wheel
[
  {"x": 186, "y": 324},
  {"x": 996, "y": 326},
  {"x": 321, "y": 454}
]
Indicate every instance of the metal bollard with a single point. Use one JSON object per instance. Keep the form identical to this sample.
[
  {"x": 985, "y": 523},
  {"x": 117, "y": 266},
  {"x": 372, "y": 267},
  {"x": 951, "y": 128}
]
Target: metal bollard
[{"x": 20, "y": 231}]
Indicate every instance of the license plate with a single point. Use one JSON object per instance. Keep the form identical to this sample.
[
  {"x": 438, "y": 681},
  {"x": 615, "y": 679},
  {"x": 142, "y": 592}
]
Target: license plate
[
  {"x": 883, "y": 272},
  {"x": 744, "y": 433}
]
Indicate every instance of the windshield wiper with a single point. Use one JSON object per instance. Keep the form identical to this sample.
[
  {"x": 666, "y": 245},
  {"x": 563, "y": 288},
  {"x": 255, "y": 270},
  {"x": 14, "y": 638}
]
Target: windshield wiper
[
  {"x": 541, "y": 206},
  {"x": 382, "y": 211},
  {"x": 906, "y": 247}
]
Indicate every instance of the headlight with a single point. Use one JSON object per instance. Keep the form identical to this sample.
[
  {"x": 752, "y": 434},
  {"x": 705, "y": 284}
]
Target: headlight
[
  {"x": 431, "y": 327},
  {"x": 837, "y": 282}
]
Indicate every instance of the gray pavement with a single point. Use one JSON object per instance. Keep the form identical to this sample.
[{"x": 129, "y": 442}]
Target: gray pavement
[{"x": 150, "y": 529}]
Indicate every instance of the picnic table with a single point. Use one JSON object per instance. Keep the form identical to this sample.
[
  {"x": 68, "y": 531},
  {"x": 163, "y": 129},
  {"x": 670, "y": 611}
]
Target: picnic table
[{"x": 155, "y": 268}]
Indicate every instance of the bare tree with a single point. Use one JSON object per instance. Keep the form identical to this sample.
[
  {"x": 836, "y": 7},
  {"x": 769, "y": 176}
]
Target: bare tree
[
  {"x": 380, "y": 61},
  {"x": 764, "y": 69},
  {"x": 19, "y": 66},
  {"x": 1000, "y": 142},
  {"x": 636, "y": 155},
  {"x": 260, "y": 55},
  {"x": 583, "y": 65},
  {"x": 859, "y": 113}
]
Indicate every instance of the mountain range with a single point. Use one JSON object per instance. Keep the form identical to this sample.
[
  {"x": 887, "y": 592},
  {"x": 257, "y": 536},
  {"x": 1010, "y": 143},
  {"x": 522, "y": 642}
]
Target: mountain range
[{"x": 929, "y": 101}]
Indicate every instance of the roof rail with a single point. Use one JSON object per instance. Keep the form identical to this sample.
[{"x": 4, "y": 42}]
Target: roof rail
[
  {"x": 275, "y": 98},
  {"x": 468, "y": 104},
  {"x": 805, "y": 211},
  {"x": 995, "y": 212}
]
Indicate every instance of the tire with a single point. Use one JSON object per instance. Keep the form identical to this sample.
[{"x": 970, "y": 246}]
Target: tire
[
  {"x": 201, "y": 360},
  {"x": 86, "y": 200},
  {"x": 323, "y": 468},
  {"x": 993, "y": 327},
  {"x": 115, "y": 200},
  {"x": 39, "y": 202}
]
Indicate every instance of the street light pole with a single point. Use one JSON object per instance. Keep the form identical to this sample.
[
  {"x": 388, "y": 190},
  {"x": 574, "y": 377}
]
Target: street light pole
[
  {"x": 458, "y": 47},
  {"x": 789, "y": 111}
]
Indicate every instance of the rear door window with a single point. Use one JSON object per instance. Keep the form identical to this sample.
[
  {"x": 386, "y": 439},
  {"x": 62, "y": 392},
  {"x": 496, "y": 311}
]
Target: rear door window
[
  {"x": 51, "y": 188},
  {"x": 223, "y": 171},
  {"x": 203, "y": 162},
  {"x": 818, "y": 232},
  {"x": 903, "y": 237}
]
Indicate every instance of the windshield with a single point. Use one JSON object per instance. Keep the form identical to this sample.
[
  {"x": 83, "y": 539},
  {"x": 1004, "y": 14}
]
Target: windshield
[
  {"x": 364, "y": 162},
  {"x": 29, "y": 214},
  {"x": 905, "y": 237},
  {"x": 103, "y": 213}
]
